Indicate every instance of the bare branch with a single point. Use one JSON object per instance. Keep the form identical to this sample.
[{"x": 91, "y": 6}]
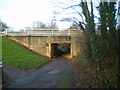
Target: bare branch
[
  {"x": 79, "y": 14},
  {"x": 72, "y": 6},
  {"x": 80, "y": 24},
  {"x": 76, "y": 21},
  {"x": 82, "y": 27}
]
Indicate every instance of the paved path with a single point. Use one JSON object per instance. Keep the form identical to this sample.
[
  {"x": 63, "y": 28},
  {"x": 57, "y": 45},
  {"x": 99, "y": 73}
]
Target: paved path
[
  {"x": 0, "y": 75},
  {"x": 48, "y": 76},
  {"x": 0, "y": 78}
]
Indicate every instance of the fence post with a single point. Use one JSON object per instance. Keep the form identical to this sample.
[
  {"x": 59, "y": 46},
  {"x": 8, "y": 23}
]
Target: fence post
[
  {"x": 6, "y": 32},
  {"x": 68, "y": 32},
  {"x": 52, "y": 32},
  {"x": 28, "y": 32}
]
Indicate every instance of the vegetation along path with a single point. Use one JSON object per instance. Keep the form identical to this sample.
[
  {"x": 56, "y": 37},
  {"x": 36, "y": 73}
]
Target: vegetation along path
[{"x": 56, "y": 74}]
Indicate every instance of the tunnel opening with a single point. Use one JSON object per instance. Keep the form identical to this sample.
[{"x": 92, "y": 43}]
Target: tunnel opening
[{"x": 61, "y": 49}]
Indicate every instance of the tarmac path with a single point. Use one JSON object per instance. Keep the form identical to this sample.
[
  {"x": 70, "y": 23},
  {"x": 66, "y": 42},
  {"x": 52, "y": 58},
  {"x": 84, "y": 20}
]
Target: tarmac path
[{"x": 52, "y": 75}]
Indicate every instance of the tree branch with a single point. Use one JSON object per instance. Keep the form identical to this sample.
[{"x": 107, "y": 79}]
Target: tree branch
[
  {"x": 79, "y": 14},
  {"x": 72, "y": 6},
  {"x": 75, "y": 20}
]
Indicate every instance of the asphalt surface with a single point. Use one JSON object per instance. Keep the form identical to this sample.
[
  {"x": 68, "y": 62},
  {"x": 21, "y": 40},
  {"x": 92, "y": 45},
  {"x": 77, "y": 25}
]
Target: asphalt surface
[
  {"x": 48, "y": 76},
  {"x": 0, "y": 78}
]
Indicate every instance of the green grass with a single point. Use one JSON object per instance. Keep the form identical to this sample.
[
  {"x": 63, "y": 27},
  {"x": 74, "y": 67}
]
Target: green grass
[
  {"x": 20, "y": 57},
  {"x": 0, "y": 49},
  {"x": 66, "y": 83}
]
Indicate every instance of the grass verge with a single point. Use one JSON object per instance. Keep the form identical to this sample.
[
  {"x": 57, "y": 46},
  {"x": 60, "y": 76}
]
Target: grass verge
[
  {"x": 66, "y": 83},
  {"x": 20, "y": 57}
]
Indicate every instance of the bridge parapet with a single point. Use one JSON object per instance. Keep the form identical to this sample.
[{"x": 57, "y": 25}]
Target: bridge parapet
[{"x": 45, "y": 32}]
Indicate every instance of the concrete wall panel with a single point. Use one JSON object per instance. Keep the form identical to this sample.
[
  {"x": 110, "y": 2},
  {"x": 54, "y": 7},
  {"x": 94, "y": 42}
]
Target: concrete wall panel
[{"x": 43, "y": 44}]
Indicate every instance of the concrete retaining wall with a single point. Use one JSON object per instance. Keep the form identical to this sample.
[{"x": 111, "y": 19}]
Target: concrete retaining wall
[{"x": 42, "y": 44}]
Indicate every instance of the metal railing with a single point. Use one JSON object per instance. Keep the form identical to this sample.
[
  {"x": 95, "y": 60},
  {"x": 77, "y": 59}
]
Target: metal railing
[{"x": 44, "y": 32}]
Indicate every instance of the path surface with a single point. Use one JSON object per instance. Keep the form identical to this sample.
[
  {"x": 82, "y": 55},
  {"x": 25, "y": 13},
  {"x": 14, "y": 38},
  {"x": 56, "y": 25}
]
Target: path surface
[
  {"x": 0, "y": 75},
  {"x": 51, "y": 75},
  {"x": 0, "y": 78}
]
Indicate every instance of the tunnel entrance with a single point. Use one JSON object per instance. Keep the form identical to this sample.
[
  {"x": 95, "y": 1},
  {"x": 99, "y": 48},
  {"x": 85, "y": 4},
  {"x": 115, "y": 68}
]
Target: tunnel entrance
[{"x": 60, "y": 49}]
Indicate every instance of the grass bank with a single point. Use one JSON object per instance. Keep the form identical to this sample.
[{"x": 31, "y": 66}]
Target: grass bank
[{"x": 17, "y": 56}]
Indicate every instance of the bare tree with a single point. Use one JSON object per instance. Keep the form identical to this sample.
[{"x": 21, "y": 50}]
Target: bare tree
[
  {"x": 74, "y": 26},
  {"x": 79, "y": 12},
  {"x": 53, "y": 24},
  {"x": 3, "y": 26},
  {"x": 39, "y": 25}
]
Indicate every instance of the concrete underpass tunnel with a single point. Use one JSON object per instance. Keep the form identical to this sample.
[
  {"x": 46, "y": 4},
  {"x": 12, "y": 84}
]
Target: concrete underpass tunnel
[{"x": 60, "y": 49}]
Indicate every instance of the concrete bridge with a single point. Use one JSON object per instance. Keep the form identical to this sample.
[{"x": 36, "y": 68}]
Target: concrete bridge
[{"x": 45, "y": 42}]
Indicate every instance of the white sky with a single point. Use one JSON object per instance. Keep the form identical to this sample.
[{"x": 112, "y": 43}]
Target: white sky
[{"x": 21, "y": 13}]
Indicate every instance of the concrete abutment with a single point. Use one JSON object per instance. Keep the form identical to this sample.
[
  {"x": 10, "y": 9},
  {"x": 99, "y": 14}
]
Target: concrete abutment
[{"x": 46, "y": 45}]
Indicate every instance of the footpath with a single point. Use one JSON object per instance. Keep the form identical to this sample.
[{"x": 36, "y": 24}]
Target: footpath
[{"x": 56, "y": 74}]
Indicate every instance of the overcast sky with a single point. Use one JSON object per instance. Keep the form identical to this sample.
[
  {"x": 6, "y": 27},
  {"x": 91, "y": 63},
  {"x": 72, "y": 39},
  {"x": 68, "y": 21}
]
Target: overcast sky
[{"x": 21, "y": 13}]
